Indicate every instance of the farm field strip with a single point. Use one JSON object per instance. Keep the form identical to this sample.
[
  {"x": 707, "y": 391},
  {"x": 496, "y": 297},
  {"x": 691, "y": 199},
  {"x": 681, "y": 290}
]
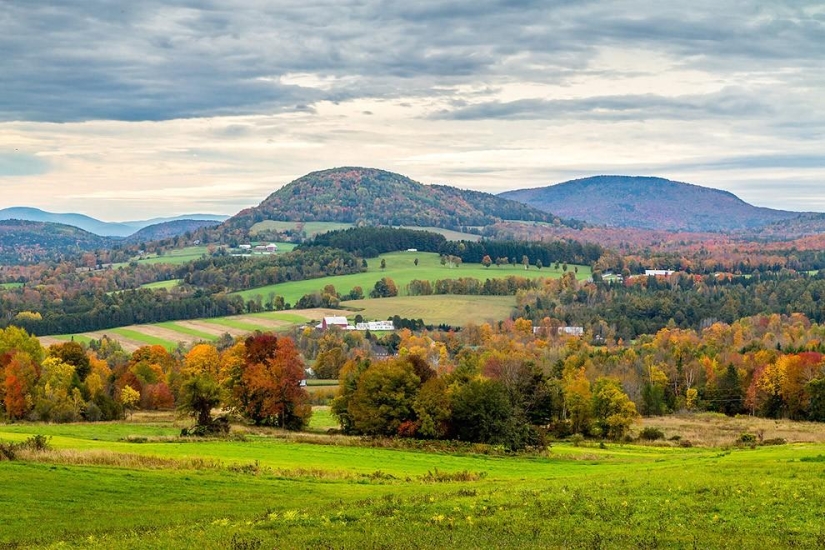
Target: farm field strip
[
  {"x": 181, "y": 328},
  {"x": 233, "y": 323},
  {"x": 169, "y": 333},
  {"x": 269, "y": 324},
  {"x": 437, "y": 309},
  {"x": 145, "y": 339}
]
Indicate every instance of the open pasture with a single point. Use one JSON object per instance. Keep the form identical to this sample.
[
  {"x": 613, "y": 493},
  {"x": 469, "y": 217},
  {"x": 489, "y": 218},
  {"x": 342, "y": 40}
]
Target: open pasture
[
  {"x": 450, "y": 310},
  {"x": 135, "y": 485},
  {"x": 309, "y": 228},
  {"x": 401, "y": 268}
]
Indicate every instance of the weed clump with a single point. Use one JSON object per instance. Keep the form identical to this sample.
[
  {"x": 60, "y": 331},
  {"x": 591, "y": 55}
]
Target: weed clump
[
  {"x": 651, "y": 434},
  {"x": 35, "y": 444}
]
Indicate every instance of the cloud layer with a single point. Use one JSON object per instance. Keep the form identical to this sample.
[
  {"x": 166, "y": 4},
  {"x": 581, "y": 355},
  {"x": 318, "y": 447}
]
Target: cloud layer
[{"x": 230, "y": 99}]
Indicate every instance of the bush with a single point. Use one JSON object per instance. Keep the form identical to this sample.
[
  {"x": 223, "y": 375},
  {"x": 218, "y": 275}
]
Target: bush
[
  {"x": 651, "y": 434},
  {"x": 36, "y": 443},
  {"x": 686, "y": 443},
  {"x": 576, "y": 439},
  {"x": 774, "y": 441},
  {"x": 747, "y": 439}
]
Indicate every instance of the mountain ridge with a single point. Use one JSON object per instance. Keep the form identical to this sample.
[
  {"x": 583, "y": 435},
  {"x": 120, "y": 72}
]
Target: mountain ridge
[
  {"x": 645, "y": 202},
  {"x": 377, "y": 197},
  {"x": 94, "y": 225}
]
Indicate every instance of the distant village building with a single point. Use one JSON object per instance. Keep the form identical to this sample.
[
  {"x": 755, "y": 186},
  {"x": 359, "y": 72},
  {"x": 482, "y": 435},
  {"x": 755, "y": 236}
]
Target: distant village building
[
  {"x": 245, "y": 246},
  {"x": 659, "y": 272},
  {"x": 335, "y": 321},
  {"x": 375, "y": 325},
  {"x": 571, "y": 331}
]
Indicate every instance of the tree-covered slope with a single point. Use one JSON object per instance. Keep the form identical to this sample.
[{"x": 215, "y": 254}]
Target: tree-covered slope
[
  {"x": 26, "y": 241},
  {"x": 377, "y": 197},
  {"x": 648, "y": 203},
  {"x": 167, "y": 230}
]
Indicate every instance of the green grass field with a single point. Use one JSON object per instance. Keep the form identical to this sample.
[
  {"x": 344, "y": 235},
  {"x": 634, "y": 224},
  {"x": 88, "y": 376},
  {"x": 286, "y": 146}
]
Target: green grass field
[
  {"x": 98, "y": 490},
  {"x": 162, "y": 284},
  {"x": 449, "y": 234},
  {"x": 401, "y": 269},
  {"x": 171, "y": 325},
  {"x": 310, "y": 228},
  {"x": 10, "y": 285},
  {"x": 147, "y": 339},
  {"x": 435, "y": 310}
]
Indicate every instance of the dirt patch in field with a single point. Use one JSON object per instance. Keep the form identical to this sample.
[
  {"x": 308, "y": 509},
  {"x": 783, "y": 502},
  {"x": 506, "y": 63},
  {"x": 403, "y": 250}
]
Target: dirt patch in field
[
  {"x": 262, "y": 322},
  {"x": 214, "y": 328},
  {"x": 47, "y": 341},
  {"x": 208, "y": 328},
  {"x": 165, "y": 334}
]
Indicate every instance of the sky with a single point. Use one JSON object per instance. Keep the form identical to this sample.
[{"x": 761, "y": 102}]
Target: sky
[{"x": 129, "y": 110}]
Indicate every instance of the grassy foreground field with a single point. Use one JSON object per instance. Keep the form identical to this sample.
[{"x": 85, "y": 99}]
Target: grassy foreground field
[
  {"x": 401, "y": 268},
  {"x": 134, "y": 485}
]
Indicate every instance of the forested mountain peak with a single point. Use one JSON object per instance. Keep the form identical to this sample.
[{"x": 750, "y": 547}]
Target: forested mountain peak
[
  {"x": 378, "y": 197},
  {"x": 648, "y": 203}
]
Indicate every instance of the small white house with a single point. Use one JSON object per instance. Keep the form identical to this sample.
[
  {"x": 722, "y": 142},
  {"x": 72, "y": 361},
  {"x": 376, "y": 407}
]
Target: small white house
[
  {"x": 658, "y": 272},
  {"x": 571, "y": 331},
  {"x": 375, "y": 325}
]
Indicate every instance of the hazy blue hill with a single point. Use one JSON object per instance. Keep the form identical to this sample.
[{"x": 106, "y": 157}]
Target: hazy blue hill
[
  {"x": 648, "y": 203},
  {"x": 93, "y": 225}
]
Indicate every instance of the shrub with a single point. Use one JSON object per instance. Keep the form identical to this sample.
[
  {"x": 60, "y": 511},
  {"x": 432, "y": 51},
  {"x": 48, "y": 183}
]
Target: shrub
[
  {"x": 36, "y": 443},
  {"x": 685, "y": 443},
  {"x": 651, "y": 434},
  {"x": 576, "y": 439},
  {"x": 747, "y": 439},
  {"x": 774, "y": 441}
]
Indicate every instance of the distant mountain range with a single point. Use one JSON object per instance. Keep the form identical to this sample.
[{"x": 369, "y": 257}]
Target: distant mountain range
[
  {"x": 649, "y": 203},
  {"x": 377, "y": 197},
  {"x": 92, "y": 225}
]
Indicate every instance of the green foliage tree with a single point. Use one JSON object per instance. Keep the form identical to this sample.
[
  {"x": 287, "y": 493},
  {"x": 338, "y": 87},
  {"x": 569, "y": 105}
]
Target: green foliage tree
[
  {"x": 198, "y": 396},
  {"x": 384, "y": 398},
  {"x": 613, "y": 410},
  {"x": 384, "y": 288},
  {"x": 433, "y": 408},
  {"x": 482, "y": 412}
]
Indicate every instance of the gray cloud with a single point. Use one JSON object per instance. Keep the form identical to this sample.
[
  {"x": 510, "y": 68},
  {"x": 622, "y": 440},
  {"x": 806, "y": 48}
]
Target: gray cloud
[
  {"x": 158, "y": 60},
  {"x": 727, "y": 103}
]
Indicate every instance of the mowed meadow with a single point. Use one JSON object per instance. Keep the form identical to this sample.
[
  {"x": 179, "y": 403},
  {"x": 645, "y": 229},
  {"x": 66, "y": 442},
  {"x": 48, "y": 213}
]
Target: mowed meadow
[
  {"x": 135, "y": 484},
  {"x": 401, "y": 268}
]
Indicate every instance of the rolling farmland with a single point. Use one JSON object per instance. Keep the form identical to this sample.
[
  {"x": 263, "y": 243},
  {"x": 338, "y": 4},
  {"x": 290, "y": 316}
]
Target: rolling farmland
[{"x": 400, "y": 267}]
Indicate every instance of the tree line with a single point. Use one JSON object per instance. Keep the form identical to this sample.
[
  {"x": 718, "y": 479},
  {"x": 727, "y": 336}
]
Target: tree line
[{"x": 369, "y": 242}]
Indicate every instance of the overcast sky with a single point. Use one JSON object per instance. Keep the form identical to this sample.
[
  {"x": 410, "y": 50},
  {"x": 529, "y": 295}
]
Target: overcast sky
[{"x": 124, "y": 110}]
